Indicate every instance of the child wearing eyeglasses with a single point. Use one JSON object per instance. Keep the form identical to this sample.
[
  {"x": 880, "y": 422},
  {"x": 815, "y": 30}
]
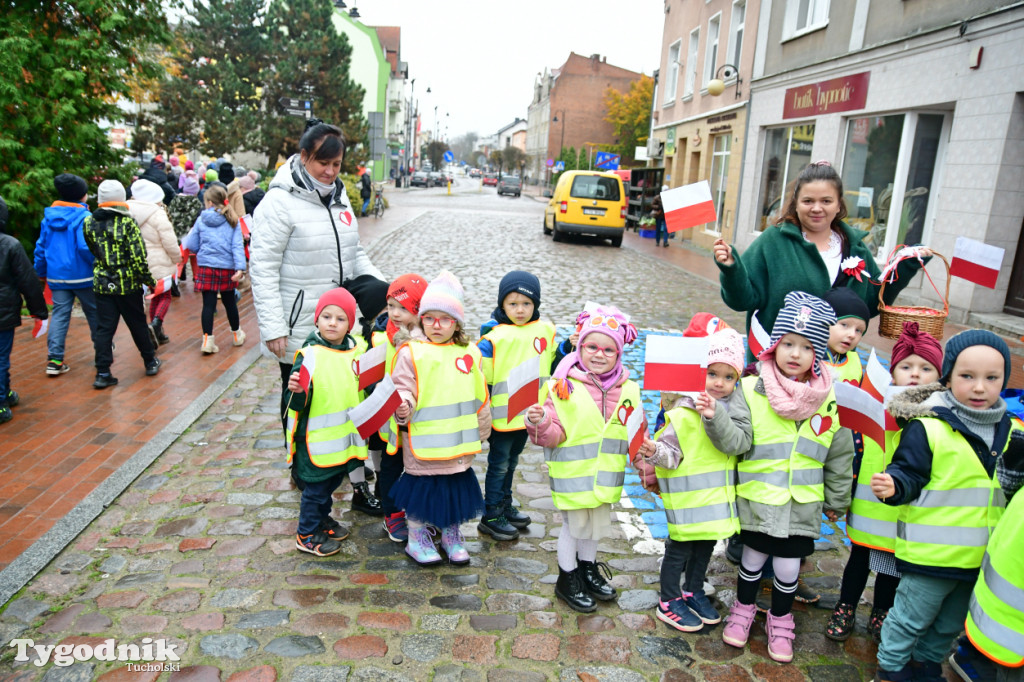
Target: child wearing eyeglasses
[
  {"x": 444, "y": 416},
  {"x": 581, "y": 424},
  {"x": 514, "y": 335}
]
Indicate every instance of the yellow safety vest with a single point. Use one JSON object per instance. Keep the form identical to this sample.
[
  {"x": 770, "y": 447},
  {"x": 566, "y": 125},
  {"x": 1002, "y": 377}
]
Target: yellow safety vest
[
  {"x": 450, "y": 391},
  {"x": 512, "y": 345},
  {"x": 950, "y": 522},
  {"x": 700, "y": 495},
  {"x": 331, "y": 437},
  {"x": 995, "y": 621},
  {"x": 389, "y": 432},
  {"x": 785, "y": 461},
  {"x": 588, "y": 468},
  {"x": 871, "y": 522},
  {"x": 850, "y": 371}
]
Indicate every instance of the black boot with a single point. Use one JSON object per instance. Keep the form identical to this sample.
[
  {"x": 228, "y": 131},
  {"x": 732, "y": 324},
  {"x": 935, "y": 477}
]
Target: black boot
[
  {"x": 158, "y": 329},
  {"x": 496, "y": 525},
  {"x": 594, "y": 582},
  {"x": 515, "y": 517},
  {"x": 570, "y": 589},
  {"x": 175, "y": 291},
  {"x": 364, "y": 501}
]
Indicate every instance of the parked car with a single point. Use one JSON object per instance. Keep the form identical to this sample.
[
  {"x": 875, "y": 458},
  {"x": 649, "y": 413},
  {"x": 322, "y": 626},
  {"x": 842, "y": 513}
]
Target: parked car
[
  {"x": 510, "y": 184},
  {"x": 587, "y": 202},
  {"x": 436, "y": 179},
  {"x": 474, "y": 173},
  {"x": 419, "y": 179},
  {"x": 490, "y": 179}
]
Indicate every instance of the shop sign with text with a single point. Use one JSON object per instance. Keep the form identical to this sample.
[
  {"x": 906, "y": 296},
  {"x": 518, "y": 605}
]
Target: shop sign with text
[{"x": 827, "y": 97}]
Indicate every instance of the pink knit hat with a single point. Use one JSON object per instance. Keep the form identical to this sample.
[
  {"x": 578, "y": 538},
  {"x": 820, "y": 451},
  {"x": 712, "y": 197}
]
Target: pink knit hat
[
  {"x": 607, "y": 320},
  {"x": 726, "y": 346},
  {"x": 445, "y": 295}
]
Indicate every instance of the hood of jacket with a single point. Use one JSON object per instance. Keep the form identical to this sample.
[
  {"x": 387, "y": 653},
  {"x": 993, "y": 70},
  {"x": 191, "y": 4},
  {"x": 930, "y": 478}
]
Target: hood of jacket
[
  {"x": 63, "y": 215},
  {"x": 111, "y": 211},
  {"x": 915, "y": 402},
  {"x": 213, "y": 218},
  {"x": 292, "y": 178},
  {"x": 142, "y": 210}
]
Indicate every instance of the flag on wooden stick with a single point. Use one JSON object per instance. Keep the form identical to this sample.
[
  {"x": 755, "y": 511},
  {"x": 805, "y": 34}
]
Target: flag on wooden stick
[
  {"x": 976, "y": 262},
  {"x": 371, "y": 366},
  {"x": 860, "y": 411},
  {"x": 676, "y": 363},
  {"x": 523, "y": 386},
  {"x": 371, "y": 414},
  {"x": 688, "y": 206},
  {"x": 757, "y": 338}
]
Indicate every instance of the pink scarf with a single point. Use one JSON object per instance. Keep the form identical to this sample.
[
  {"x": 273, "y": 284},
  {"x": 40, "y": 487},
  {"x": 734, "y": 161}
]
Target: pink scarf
[{"x": 793, "y": 399}]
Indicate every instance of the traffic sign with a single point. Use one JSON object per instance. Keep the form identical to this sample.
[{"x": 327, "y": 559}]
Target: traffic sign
[
  {"x": 607, "y": 161},
  {"x": 550, "y": 163},
  {"x": 448, "y": 156},
  {"x": 292, "y": 103},
  {"x": 559, "y": 166}
]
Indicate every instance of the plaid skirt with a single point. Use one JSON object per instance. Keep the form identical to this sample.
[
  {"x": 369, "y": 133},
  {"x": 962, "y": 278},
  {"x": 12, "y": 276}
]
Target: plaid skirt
[{"x": 214, "y": 279}]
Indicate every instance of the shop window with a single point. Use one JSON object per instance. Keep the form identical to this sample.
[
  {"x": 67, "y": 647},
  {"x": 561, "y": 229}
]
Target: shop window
[
  {"x": 691, "y": 62},
  {"x": 711, "y": 50},
  {"x": 719, "y": 179},
  {"x": 804, "y": 16},
  {"x": 673, "y": 72},
  {"x": 786, "y": 152}
]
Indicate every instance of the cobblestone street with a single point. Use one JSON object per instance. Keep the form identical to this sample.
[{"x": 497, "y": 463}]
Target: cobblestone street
[{"x": 199, "y": 550}]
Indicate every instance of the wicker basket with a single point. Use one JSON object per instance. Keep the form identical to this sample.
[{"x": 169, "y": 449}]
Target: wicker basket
[{"x": 931, "y": 320}]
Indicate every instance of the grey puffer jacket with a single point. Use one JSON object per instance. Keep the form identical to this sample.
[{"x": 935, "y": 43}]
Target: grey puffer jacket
[{"x": 300, "y": 248}]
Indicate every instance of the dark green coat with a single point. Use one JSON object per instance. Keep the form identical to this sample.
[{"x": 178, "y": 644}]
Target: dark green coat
[{"x": 780, "y": 260}]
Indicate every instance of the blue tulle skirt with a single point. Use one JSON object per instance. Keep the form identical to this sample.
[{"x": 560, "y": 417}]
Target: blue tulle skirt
[{"x": 439, "y": 500}]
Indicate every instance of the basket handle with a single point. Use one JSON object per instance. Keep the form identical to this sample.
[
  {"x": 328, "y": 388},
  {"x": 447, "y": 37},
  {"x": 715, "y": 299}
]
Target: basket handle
[{"x": 945, "y": 299}]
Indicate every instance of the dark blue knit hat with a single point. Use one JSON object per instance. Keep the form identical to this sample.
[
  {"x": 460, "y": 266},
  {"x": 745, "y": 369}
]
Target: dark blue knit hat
[
  {"x": 519, "y": 282},
  {"x": 806, "y": 315},
  {"x": 974, "y": 337}
]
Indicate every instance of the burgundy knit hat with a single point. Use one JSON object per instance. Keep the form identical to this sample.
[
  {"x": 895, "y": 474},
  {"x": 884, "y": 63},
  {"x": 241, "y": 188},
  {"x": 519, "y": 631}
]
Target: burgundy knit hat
[
  {"x": 341, "y": 298},
  {"x": 913, "y": 341},
  {"x": 408, "y": 290}
]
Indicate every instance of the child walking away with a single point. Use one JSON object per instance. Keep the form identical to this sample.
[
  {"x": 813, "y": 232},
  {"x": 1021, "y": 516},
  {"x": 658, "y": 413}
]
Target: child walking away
[
  {"x": 162, "y": 252},
  {"x": 583, "y": 410},
  {"x": 697, "y": 483},
  {"x": 800, "y": 461},
  {"x": 512, "y": 336},
  {"x": 844, "y": 336},
  {"x": 444, "y": 416},
  {"x": 871, "y": 525},
  {"x": 403, "y": 316},
  {"x": 119, "y": 272},
  {"x": 321, "y": 447},
  {"x": 951, "y": 473},
  {"x": 216, "y": 240}
]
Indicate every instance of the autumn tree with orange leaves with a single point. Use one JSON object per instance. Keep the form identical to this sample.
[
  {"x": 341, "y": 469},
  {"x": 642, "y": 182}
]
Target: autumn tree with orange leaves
[{"x": 630, "y": 113}]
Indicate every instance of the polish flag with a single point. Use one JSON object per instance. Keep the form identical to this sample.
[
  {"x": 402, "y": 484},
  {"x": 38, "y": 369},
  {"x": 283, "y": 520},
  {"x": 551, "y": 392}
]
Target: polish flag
[
  {"x": 688, "y": 206},
  {"x": 860, "y": 411},
  {"x": 890, "y": 421},
  {"x": 184, "y": 260},
  {"x": 371, "y": 414},
  {"x": 523, "y": 386},
  {"x": 976, "y": 262},
  {"x": 371, "y": 366},
  {"x": 40, "y": 327},
  {"x": 47, "y": 294},
  {"x": 306, "y": 369},
  {"x": 244, "y": 222},
  {"x": 636, "y": 429},
  {"x": 876, "y": 378},
  {"x": 162, "y": 285},
  {"x": 757, "y": 338},
  {"x": 676, "y": 363}
]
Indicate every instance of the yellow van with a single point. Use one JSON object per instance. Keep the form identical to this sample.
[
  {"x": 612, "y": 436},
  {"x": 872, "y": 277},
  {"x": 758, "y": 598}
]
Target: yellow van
[{"x": 587, "y": 202}]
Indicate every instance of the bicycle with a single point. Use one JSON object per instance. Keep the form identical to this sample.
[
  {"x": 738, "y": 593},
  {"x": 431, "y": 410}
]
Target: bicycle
[{"x": 378, "y": 200}]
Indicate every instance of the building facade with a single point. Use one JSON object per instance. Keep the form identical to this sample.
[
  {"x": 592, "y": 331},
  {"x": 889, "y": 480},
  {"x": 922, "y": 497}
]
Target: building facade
[{"x": 920, "y": 107}]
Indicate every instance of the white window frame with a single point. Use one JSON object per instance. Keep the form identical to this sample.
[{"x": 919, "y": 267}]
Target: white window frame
[
  {"x": 711, "y": 45},
  {"x": 815, "y": 19},
  {"x": 723, "y": 159},
  {"x": 736, "y": 31},
  {"x": 672, "y": 82},
  {"x": 691, "y": 63}
]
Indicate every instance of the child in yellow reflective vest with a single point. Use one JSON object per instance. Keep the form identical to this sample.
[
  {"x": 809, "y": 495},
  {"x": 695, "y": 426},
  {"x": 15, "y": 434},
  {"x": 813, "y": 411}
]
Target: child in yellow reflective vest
[
  {"x": 695, "y": 461},
  {"x": 950, "y": 476},
  {"x": 871, "y": 525},
  {"x": 844, "y": 336},
  {"x": 323, "y": 443},
  {"x": 514, "y": 335},
  {"x": 800, "y": 464},
  {"x": 444, "y": 416},
  {"x": 581, "y": 424}
]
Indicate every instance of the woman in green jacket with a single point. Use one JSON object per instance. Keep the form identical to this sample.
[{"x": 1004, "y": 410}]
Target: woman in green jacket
[{"x": 811, "y": 250}]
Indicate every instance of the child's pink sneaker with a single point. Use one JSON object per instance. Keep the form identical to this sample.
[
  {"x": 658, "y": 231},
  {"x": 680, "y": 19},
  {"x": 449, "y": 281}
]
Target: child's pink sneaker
[
  {"x": 737, "y": 624},
  {"x": 781, "y": 633},
  {"x": 421, "y": 546},
  {"x": 451, "y": 542}
]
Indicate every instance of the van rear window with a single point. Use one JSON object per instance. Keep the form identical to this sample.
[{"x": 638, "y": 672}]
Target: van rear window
[{"x": 595, "y": 187}]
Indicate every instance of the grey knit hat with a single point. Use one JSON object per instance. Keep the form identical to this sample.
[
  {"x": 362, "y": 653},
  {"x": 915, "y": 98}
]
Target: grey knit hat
[
  {"x": 806, "y": 315},
  {"x": 974, "y": 337}
]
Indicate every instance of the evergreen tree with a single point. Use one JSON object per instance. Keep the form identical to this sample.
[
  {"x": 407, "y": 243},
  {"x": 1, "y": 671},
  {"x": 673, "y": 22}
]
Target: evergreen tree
[
  {"x": 309, "y": 59},
  {"x": 63, "y": 67}
]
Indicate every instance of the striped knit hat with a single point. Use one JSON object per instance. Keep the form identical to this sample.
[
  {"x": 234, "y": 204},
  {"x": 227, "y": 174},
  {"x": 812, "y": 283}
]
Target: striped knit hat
[
  {"x": 444, "y": 294},
  {"x": 806, "y": 315}
]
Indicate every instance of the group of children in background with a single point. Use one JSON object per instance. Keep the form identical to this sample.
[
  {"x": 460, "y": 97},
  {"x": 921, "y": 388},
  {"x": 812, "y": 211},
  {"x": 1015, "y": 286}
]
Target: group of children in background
[{"x": 760, "y": 453}]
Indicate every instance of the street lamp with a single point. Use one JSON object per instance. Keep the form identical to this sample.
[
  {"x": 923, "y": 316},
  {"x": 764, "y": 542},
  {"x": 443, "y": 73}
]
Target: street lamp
[
  {"x": 561, "y": 143},
  {"x": 717, "y": 85}
]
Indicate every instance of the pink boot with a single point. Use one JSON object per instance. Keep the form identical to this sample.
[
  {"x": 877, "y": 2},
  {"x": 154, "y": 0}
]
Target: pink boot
[
  {"x": 737, "y": 624},
  {"x": 421, "y": 546},
  {"x": 781, "y": 633},
  {"x": 451, "y": 542}
]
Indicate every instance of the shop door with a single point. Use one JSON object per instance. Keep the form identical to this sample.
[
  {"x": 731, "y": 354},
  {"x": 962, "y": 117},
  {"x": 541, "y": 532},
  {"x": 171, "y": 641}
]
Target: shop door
[{"x": 1015, "y": 292}]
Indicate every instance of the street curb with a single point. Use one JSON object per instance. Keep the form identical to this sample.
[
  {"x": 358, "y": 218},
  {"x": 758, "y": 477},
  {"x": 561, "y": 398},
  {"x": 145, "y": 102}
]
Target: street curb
[{"x": 34, "y": 559}]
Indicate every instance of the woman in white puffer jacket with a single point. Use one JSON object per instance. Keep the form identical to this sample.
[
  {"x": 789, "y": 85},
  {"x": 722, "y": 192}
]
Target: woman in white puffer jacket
[{"x": 305, "y": 240}]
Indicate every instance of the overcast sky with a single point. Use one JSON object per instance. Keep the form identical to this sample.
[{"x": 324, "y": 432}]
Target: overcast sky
[{"x": 480, "y": 57}]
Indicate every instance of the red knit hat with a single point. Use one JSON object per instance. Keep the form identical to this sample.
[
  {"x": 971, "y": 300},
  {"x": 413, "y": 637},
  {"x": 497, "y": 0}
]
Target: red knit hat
[
  {"x": 913, "y": 341},
  {"x": 408, "y": 290},
  {"x": 341, "y": 298}
]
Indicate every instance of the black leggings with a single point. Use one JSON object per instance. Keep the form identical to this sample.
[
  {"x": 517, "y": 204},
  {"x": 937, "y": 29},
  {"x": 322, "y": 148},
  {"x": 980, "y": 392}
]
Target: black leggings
[
  {"x": 855, "y": 578},
  {"x": 210, "y": 306}
]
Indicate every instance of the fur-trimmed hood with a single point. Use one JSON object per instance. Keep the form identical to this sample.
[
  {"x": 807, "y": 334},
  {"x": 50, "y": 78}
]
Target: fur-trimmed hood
[{"x": 916, "y": 401}]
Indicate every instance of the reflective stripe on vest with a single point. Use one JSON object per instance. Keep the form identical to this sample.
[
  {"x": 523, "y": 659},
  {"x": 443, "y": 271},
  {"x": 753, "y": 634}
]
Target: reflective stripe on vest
[
  {"x": 588, "y": 468},
  {"x": 950, "y": 522},
  {"x": 444, "y": 424},
  {"x": 871, "y": 522},
  {"x": 512, "y": 345},
  {"x": 331, "y": 438},
  {"x": 700, "y": 494},
  {"x": 785, "y": 461}
]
